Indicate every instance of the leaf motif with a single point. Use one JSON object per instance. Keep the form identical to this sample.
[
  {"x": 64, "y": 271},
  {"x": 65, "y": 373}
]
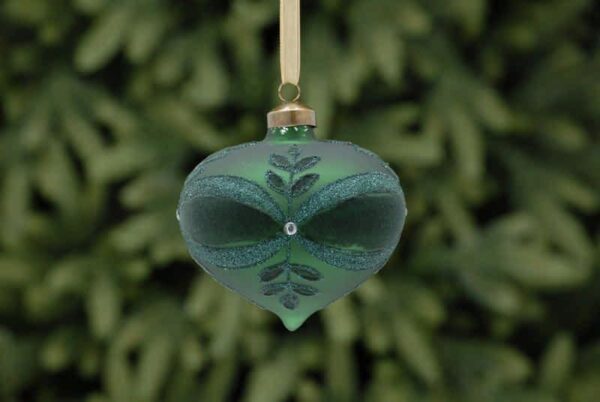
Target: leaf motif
[
  {"x": 270, "y": 273},
  {"x": 304, "y": 290},
  {"x": 281, "y": 162},
  {"x": 294, "y": 151},
  {"x": 308, "y": 273},
  {"x": 273, "y": 289},
  {"x": 289, "y": 301},
  {"x": 303, "y": 184},
  {"x": 276, "y": 182},
  {"x": 306, "y": 163}
]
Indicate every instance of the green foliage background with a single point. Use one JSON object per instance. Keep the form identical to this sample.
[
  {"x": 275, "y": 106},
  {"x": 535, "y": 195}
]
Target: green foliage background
[{"x": 488, "y": 110}]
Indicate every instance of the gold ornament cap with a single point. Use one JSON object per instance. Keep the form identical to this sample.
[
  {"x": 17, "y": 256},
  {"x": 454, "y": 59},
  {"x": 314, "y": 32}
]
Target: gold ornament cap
[{"x": 291, "y": 114}]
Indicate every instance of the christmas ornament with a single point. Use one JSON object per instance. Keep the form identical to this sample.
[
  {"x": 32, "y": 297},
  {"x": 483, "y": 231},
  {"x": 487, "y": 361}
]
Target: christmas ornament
[{"x": 292, "y": 223}]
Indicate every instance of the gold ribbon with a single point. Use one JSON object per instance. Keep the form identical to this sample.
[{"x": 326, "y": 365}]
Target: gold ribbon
[{"x": 289, "y": 34}]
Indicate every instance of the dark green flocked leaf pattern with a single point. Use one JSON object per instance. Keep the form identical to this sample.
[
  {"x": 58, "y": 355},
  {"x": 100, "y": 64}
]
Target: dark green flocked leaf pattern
[
  {"x": 280, "y": 162},
  {"x": 308, "y": 273},
  {"x": 289, "y": 301},
  {"x": 303, "y": 184},
  {"x": 272, "y": 272},
  {"x": 276, "y": 182},
  {"x": 273, "y": 289},
  {"x": 292, "y": 188},
  {"x": 306, "y": 163}
]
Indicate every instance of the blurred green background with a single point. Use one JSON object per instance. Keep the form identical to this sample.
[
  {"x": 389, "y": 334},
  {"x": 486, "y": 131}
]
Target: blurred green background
[{"x": 489, "y": 111}]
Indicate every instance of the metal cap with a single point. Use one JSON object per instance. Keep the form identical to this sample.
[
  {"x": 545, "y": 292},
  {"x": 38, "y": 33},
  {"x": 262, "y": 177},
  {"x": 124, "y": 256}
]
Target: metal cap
[{"x": 291, "y": 114}]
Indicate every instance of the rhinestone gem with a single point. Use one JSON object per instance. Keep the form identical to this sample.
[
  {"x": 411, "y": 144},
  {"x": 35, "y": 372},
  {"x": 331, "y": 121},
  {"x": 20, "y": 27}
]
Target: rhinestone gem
[{"x": 290, "y": 229}]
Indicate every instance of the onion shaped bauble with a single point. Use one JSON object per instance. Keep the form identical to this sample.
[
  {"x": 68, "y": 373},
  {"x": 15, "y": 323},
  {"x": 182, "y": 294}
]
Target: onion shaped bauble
[{"x": 292, "y": 223}]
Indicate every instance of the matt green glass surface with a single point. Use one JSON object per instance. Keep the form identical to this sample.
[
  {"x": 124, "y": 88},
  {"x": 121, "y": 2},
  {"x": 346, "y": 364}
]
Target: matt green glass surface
[{"x": 292, "y": 223}]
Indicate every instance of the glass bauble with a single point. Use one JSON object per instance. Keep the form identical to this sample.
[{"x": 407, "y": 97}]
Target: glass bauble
[{"x": 292, "y": 223}]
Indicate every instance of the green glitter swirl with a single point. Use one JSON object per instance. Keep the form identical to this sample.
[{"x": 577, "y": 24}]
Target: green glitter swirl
[
  {"x": 349, "y": 260},
  {"x": 236, "y": 188},
  {"x": 344, "y": 189},
  {"x": 239, "y": 257}
]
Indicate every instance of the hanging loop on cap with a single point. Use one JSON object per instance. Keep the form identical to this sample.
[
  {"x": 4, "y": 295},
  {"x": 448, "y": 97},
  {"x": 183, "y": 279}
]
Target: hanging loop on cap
[{"x": 282, "y": 96}]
